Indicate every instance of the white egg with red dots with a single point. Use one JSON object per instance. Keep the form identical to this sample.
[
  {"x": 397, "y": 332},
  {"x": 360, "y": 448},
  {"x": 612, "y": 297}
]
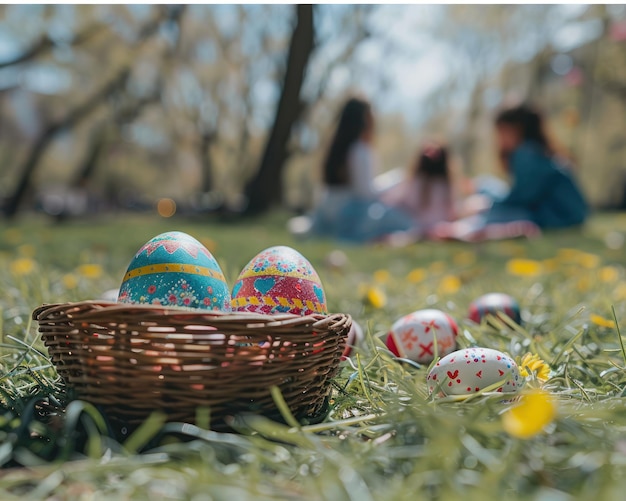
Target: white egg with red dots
[{"x": 472, "y": 370}]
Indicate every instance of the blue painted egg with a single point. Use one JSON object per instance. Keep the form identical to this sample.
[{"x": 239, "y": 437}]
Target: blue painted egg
[{"x": 174, "y": 269}]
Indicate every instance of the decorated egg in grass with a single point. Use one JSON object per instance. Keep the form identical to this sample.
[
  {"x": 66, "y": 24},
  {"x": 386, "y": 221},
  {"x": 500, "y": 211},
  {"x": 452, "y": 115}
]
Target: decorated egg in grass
[
  {"x": 279, "y": 280},
  {"x": 495, "y": 304},
  {"x": 354, "y": 340},
  {"x": 174, "y": 269},
  {"x": 472, "y": 370},
  {"x": 414, "y": 336}
]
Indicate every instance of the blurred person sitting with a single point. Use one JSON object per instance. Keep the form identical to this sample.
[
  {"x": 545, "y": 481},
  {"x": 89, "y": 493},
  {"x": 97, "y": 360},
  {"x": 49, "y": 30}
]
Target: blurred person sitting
[
  {"x": 429, "y": 195},
  {"x": 350, "y": 208},
  {"x": 544, "y": 190},
  {"x": 543, "y": 194}
]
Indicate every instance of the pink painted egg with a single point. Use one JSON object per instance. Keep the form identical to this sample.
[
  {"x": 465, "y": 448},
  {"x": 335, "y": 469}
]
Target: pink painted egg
[
  {"x": 279, "y": 280},
  {"x": 414, "y": 335},
  {"x": 472, "y": 370}
]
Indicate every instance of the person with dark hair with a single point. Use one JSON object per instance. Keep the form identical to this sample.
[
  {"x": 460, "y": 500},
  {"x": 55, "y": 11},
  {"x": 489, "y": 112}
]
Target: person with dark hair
[
  {"x": 350, "y": 208},
  {"x": 543, "y": 193},
  {"x": 349, "y": 160},
  {"x": 543, "y": 189},
  {"x": 428, "y": 195}
]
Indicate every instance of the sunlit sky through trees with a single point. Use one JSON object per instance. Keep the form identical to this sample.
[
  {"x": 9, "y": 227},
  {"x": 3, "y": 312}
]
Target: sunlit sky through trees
[
  {"x": 197, "y": 95},
  {"x": 422, "y": 58}
]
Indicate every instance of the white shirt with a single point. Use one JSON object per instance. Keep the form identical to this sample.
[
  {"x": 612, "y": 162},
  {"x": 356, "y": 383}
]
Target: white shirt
[{"x": 361, "y": 162}]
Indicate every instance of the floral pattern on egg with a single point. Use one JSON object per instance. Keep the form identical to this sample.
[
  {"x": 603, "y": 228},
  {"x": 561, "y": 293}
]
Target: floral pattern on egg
[
  {"x": 174, "y": 269},
  {"x": 472, "y": 370},
  {"x": 279, "y": 280}
]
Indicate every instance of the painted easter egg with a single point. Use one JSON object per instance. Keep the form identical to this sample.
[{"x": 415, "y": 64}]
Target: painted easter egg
[
  {"x": 495, "y": 304},
  {"x": 354, "y": 340},
  {"x": 279, "y": 280},
  {"x": 471, "y": 370},
  {"x": 413, "y": 336},
  {"x": 174, "y": 269}
]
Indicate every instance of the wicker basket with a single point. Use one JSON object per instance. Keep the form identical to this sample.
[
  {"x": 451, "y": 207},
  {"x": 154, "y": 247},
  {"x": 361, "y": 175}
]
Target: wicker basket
[{"x": 133, "y": 359}]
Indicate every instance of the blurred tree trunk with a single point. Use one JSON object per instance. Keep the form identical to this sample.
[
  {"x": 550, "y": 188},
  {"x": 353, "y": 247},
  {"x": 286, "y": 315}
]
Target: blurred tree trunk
[
  {"x": 206, "y": 141},
  {"x": 265, "y": 189}
]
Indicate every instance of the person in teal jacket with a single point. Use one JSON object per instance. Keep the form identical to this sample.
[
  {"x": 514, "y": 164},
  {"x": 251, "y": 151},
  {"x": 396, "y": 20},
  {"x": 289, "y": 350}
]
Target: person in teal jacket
[{"x": 544, "y": 190}]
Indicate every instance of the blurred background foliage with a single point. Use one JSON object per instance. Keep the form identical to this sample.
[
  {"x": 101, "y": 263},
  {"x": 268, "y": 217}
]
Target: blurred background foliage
[{"x": 113, "y": 107}]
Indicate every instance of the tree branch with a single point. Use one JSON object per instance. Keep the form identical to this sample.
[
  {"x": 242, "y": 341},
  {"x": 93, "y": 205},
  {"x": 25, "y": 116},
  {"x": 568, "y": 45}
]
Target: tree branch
[
  {"x": 78, "y": 113},
  {"x": 45, "y": 44},
  {"x": 46, "y": 137}
]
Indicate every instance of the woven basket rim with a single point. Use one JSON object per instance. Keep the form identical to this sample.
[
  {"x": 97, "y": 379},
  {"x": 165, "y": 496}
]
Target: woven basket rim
[{"x": 44, "y": 311}]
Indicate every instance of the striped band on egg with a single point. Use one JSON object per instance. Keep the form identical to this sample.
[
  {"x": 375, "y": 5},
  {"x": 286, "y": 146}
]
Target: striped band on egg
[
  {"x": 241, "y": 302},
  {"x": 275, "y": 271},
  {"x": 174, "y": 268}
]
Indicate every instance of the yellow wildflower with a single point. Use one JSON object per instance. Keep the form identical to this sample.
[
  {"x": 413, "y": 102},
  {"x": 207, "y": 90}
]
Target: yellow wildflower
[
  {"x": 381, "y": 276},
  {"x": 609, "y": 274},
  {"x": 568, "y": 255},
  {"x": 536, "y": 365},
  {"x": 550, "y": 265},
  {"x": 70, "y": 281},
  {"x": 437, "y": 266},
  {"x": 535, "y": 410},
  {"x": 26, "y": 250},
  {"x": 601, "y": 321},
  {"x": 375, "y": 297},
  {"x": 416, "y": 275},
  {"x": 23, "y": 266},
  {"x": 589, "y": 261},
  {"x": 92, "y": 271},
  {"x": 450, "y": 284},
  {"x": 464, "y": 258},
  {"x": 524, "y": 267},
  {"x": 584, "y": 284}
]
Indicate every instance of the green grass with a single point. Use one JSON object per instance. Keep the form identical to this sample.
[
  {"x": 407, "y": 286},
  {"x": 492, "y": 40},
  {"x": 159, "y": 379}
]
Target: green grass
[{"x": 385, "y": 437}]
